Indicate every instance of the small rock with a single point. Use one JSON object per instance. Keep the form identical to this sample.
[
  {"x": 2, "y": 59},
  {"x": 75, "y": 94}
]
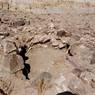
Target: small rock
[
  {"x": 65, "y": 39},
  {"x": 36, "y": 39},
  {"x": 54, "y": 42},
  {"x": 44, "y": 38},
  {"x": 93, "y": 84},
  {"x": 19, "y": 22},
  {"x": 51, "y": 25},
  {"x": 41, "y": 39},
  {"x": 61, "y": 45},
  {"x": 62, "y": 33}
]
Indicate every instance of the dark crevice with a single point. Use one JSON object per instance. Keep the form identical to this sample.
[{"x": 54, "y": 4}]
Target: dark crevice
[
  {"x": 2, "y": 92},
  {"x": 21, "y": 50},
  {"x": 66, "y": 93},
  {"x": 69, "y": 52},
  {"x": 26, "y": 70}
]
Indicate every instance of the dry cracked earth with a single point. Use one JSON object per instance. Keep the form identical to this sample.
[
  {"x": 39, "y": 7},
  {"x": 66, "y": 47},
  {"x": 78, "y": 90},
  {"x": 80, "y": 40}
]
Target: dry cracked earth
[{"x": 47, "y": 54}]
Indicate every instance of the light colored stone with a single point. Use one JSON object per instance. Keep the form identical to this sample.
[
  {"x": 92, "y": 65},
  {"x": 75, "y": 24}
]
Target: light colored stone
[
  {"x": 44, "y": 38},
  {"x": 65, "y": 39},
  {"x": 12, "y": 63},
  {"x": 51, "y": 25},
  {"x": 54, "y": 42},
  {"x": 8, "y": 45},
  {"x": 61, "y": 45},
  {"x": 60, "y": 84},
  {"x": 36, "y": 39}
]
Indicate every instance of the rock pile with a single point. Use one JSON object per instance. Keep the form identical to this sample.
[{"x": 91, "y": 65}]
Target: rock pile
[{"x": 75, "y": 63}]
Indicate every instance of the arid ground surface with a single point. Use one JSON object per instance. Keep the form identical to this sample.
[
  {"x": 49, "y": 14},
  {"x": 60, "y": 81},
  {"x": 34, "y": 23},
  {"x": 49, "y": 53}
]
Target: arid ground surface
[{"x": 47, "y": 53}]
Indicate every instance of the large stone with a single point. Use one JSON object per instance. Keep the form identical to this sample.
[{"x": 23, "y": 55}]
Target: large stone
[
  {"x": 8, "y": 45},
  {"x": 44, "y": 38},
  {"x": 12, "y": 63},
  {"x": 41, "y": 39},
  {"x": 81, "y": 55}
]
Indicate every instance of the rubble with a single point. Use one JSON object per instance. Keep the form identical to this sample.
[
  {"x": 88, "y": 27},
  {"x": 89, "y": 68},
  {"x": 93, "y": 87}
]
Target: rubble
[{"x": 61, "y": 54}]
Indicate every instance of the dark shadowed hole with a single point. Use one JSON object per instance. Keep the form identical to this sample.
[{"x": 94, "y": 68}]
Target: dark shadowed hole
[
  {"x": 66, "y": 93},
  {"x": 26, "y": 70},
  {"x": 23, "y": 52},
  {"x": 69, "y": 52},
  {"x": 2, "y": 92}
]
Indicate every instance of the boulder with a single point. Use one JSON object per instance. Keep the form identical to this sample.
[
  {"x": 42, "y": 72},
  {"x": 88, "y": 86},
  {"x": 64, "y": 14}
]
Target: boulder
[
  {"x": 8, "y": 45},
  {"x": 41, "y": 39},
  {"x": 12, "y": 63}
]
